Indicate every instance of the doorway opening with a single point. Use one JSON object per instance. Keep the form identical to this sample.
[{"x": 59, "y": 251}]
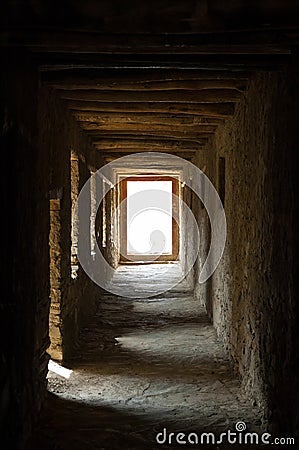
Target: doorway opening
[{"x": 149, "y": 225}]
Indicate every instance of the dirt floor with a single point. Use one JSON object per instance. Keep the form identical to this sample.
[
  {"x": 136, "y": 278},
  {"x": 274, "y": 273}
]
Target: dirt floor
[{"x": 145, "y": 366}]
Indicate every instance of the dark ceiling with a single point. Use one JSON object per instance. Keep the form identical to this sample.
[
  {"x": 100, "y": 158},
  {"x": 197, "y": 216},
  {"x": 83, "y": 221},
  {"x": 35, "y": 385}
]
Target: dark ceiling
[{"x": 158, "y": 76}]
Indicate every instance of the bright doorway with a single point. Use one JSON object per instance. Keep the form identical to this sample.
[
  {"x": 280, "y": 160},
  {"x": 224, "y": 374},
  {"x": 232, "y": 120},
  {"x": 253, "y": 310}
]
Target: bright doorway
[{"x": 150, "y": 218}]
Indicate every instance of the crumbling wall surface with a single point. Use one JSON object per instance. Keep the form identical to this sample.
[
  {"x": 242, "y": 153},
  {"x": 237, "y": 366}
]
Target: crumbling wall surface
[
  {"x": 252, "y": 289},
  {"x": 72, "y": 299},
  {"x": 188, "y": 234},
  {"x": 202, "y": 291},
  {"x": 110, "y": 251},
  {"x": 25, "y": 297}
]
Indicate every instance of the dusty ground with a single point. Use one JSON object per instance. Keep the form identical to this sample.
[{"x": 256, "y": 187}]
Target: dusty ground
[{"x": 144, "y": 365}]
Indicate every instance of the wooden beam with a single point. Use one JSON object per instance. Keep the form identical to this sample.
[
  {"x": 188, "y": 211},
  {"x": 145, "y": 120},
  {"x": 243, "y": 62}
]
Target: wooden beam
[
  {"x": 174, "y": 96},
  {"x": 108, "y": 157},
  {"x": 125, "y": 76},
  {"x": 143, "y": 128},
  {"x": 233, "y": 62},
  {"x": 127, "y": 85},
  {"x": 259, "y": 42},
  {"x": 108, "y": 119},
  {"x": 147, "y": 148},
  {"x": 200, "y": 138},
  {"x": 200, "y": 109},
  {"x": 110, "y": 145},
  {"x": 137, "y": 138}
]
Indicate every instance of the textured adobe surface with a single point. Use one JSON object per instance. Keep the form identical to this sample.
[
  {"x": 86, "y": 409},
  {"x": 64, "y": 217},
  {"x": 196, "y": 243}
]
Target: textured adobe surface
[{"x": 251, "y": 291}]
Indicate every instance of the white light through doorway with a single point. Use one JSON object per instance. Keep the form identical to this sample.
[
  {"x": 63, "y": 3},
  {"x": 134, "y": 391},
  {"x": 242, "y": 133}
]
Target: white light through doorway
[{"x": 150, "y": 231}]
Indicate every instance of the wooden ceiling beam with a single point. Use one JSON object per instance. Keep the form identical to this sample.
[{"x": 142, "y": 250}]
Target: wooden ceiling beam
[
  {"x": 110, "y": 145},
  {"x": 150, "y": 119},
  {"x": 143, "y": 128},
  {"x": 242, "y": 42},
  {"x": 134, "y": 76},
  {"x": 173, "y": 96},
  {"x": 200, "y": 138},
  {"x": 146, "y": 148},
  {"x": 228, "y": 62},
  {"x": 48, "y": 64},
  {"x": 128, "y": 85},
  {"x": 200, "y": 109},
  {"x": 108, "y": 157}
]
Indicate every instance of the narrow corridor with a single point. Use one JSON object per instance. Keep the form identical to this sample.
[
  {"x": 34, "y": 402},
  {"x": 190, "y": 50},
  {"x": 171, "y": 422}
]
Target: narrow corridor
[
  {"x": 144, "y": 365},
  {"x": 150, "y": 201}
]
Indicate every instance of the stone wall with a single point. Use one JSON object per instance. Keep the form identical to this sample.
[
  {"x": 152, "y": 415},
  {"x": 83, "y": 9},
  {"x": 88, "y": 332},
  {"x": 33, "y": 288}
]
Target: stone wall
[
  {"x": 73, "y": 295},
  {"x": 37, "y": 138},
  {"x": 187, "y": 236},
  {"x": 252, "y": 289},
  {"x": 110, "y": 251},
  {"x": 25, "y": 297}
]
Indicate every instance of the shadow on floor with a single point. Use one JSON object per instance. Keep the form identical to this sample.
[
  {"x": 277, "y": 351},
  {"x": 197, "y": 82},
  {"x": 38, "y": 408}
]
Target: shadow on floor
[
  {"x": 144, "y": 365},
  {"x": 71, "y": 425}
]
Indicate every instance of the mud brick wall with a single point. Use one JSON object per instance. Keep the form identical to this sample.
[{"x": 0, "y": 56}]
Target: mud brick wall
[
  {"x": 251, "y": 295},
  {"x": 72, "y": 298},
  {"x": 25, "y": 302}
]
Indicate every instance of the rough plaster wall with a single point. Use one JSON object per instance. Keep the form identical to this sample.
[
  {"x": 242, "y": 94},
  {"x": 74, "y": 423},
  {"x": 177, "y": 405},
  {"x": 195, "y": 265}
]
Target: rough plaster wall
[
  {"x": 202, "y": 292},
  {"x": 55, "y": 331},
  {"x": 75, "y": 189},
  {"x": 25, "y": 306},
  {"x": 59, "y": 137},
  {"x": 106, "y": 219},
  {"x": 252, "y": 287},
  {"x": 187, "y": 237},
  {"x": 111, "y": 252}
]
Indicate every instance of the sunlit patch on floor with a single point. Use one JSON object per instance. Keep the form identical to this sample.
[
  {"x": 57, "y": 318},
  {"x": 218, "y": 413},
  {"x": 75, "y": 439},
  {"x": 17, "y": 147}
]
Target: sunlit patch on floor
[{"x": 59, "y": 370}]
